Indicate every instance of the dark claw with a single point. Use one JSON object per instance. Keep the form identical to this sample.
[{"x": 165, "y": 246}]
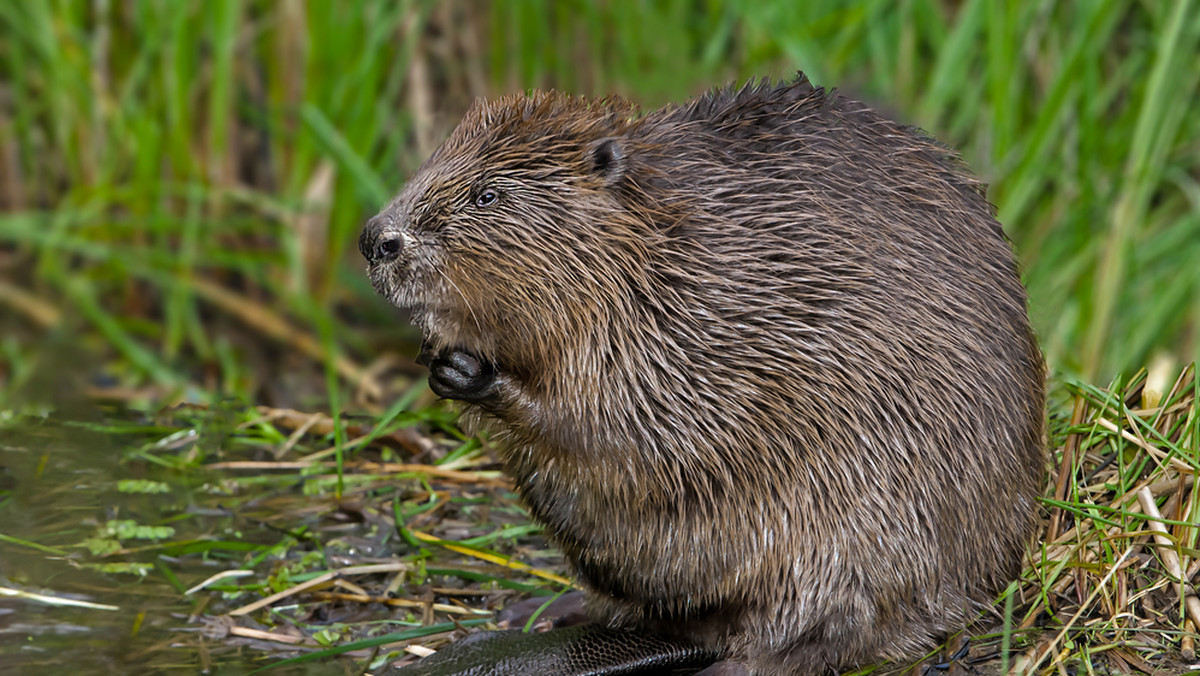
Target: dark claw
[{"x": 455, "y": 374}]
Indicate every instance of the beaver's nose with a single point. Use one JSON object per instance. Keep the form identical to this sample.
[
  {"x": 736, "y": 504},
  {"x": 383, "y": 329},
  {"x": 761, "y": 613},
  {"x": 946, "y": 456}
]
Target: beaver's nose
[{"x": 377, "y": 247}]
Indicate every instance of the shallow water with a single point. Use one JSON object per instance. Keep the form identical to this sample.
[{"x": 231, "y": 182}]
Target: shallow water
[{"x": 59, "y": 489}]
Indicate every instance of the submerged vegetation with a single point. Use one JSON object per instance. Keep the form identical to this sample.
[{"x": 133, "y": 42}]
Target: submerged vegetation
[{"x": 203, "y": 404}]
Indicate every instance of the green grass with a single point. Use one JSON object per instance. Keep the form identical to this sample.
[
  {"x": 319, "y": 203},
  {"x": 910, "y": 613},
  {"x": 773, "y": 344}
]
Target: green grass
[
  {"x": 1126, "y": 456},
  {"x": 145, "y": 146}
]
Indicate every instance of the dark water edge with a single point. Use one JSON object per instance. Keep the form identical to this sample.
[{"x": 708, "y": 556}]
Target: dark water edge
[{"x": 59, "y": 489}]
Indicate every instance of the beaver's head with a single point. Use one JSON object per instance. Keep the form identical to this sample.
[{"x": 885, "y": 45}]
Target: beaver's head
[{"x": 518, "y": 229}]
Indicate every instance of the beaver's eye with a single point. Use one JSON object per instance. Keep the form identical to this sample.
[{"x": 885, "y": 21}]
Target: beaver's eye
[{"x": 487, "y": 198}]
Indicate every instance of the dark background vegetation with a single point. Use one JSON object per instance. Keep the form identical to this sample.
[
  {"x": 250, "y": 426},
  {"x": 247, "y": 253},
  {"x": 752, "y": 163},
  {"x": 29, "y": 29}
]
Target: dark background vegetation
[{"x": 182, "y": 183}]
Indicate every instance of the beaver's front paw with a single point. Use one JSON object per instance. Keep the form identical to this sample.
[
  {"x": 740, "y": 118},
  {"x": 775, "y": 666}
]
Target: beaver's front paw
[{"x": 455, "y": 374}]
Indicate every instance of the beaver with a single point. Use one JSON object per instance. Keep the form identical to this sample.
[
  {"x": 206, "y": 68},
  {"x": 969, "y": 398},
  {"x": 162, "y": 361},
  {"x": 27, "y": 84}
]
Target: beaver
[{"x": 760, "y": 363}]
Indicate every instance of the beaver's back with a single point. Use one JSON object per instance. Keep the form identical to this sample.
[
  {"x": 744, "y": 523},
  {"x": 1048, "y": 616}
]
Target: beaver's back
[{"x": 835, "y": 393}]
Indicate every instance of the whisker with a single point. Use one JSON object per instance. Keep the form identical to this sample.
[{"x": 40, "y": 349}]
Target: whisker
[{"x": 466, "y": 302}]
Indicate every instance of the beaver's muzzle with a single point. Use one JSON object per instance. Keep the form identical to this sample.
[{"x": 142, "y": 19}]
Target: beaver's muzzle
[{"x": 378, "y": 246}]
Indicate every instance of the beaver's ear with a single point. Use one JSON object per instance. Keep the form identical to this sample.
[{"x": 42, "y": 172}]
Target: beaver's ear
[{"x": 606, "y": 158}]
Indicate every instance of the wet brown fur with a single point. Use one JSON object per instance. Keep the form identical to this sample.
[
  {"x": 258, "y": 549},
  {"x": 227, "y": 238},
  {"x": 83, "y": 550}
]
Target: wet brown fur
[{"x": 765, "y": 370}]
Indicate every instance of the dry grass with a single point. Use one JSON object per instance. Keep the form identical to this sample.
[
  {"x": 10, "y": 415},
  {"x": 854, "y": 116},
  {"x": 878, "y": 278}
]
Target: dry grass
[{"x": 1120, "y": 536}]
